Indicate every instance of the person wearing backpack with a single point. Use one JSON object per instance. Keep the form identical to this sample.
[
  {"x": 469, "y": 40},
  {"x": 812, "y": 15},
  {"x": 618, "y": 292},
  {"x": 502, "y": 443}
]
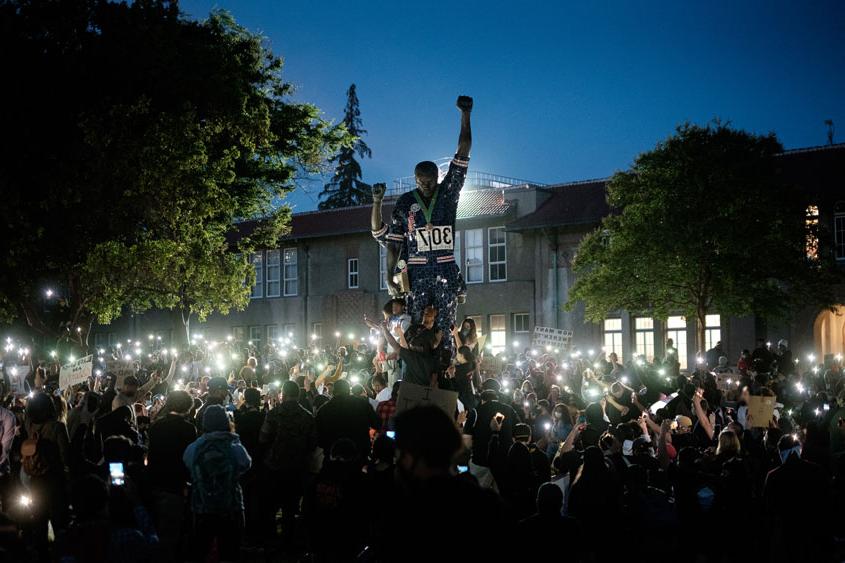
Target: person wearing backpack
[
  {"x": 44, "y": 468},
  {"x": 216, "y": 461}
]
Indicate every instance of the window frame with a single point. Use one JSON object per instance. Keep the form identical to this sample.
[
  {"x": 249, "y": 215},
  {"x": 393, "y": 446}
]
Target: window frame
[
  {"x": 516, "y": 324},
  {"x": 350, "y": 273},
  {"x": 257, "y": 261},
  {"x": 278, "y": 268},
  {"x": 293, "y": 265},
  {"x": 496, "y": 334},
  {"x": 479, "y": 248},
  {"x": 498, "y": 263},
  {"x": 646, "y": 348},
  {"x": 616, "y": 340}
]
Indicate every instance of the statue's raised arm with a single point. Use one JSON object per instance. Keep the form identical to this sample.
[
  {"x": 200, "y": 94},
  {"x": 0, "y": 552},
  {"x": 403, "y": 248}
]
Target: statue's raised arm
[{"x": 465, "y": 140}]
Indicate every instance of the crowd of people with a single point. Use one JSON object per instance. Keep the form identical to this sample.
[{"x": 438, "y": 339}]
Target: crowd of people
[{"x": 569, "y": 455}]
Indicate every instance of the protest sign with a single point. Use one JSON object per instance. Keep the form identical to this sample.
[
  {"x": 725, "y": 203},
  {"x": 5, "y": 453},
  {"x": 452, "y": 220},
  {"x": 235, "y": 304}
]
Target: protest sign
[
  {"x": 121, "y": 369},
  {"x": 760, "y": 410},
  {"x": 76, "y": 372},
  {"x": 17, "y": 378},
  {"x": 411, "y": 395},
  {"x": 553, "y": 337}
]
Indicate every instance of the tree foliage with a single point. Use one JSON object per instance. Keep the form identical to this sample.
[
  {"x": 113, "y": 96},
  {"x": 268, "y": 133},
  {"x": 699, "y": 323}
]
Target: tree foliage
[
  {"x": 346, "y": 187},
  {"x": 134, "y": 139},
  {"x": 704, "y": 224}
]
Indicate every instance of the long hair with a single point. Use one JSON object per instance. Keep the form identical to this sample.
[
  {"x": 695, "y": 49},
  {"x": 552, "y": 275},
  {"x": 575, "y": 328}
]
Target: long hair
[
  {"x": 471, "y": 335},
  {"x": 728, "y": 443}
]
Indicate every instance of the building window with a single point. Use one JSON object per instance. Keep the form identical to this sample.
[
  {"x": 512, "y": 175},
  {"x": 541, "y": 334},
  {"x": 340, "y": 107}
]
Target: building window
[
  {"x": 613, "y": 337},
  {"x": 474, "y": 271},
  {"x": 498, "y": 336},
  {"x": 256, "y": 335},
  {"x": 839, "y": 230},
  {"x": 163, "y": 338},
  {"x": 238, "y": 333},
  {"x": 811, "y": 245},
  {"x": 289, "y": 331},
  {"x": 644, "y": 337},
  {"x": 520, "y": 322},
  {"x": 274, "y": 273},
  {"x": 352, "y": 273},
  {"x": 258, "y": 263},
  {"x": 272, "y": 333},
  {"x": 458, "y": 253},
  {"x": 676, "y": 329},
  {"x": 382, "y": 268},
  {"x": 316, "y": 331},
  {"x": 291, "y": 273},
  {"x": 103, "y": 340},
  {"x": 712, "y": 330},
  {"x": 497, "y": 254}
]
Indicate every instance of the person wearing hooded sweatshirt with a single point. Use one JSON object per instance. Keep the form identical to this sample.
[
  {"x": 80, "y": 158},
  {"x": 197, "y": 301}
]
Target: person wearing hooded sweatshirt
[{"x": 216, "y": 461}]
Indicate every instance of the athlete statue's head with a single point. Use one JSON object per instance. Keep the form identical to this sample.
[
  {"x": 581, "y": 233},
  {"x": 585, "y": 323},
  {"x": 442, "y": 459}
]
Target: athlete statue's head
[{"x": 426, "y": 173}]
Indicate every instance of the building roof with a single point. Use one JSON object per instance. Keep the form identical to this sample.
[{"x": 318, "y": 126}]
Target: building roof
[
  {"x": 483, "y": 203},
  {"x": 575, "y": 203},
  {"x": 354, "y": 220}
]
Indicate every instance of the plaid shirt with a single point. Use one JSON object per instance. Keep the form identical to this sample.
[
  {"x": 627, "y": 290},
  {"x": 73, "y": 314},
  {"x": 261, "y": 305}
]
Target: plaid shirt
[{"x": 385, "y": 411}]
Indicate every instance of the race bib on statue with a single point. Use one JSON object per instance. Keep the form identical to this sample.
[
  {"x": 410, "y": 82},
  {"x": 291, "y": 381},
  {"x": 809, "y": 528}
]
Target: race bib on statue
[{"x": 435, "y": 238}]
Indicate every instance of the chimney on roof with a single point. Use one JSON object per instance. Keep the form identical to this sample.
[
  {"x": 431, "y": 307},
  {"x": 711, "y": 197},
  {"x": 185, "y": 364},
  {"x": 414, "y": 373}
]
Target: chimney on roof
[{"x": 830, "y": 130}]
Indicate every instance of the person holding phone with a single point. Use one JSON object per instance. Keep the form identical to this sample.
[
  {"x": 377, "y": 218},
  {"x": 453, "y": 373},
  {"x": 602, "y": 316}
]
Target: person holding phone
[{"x": 488, "y": 432}]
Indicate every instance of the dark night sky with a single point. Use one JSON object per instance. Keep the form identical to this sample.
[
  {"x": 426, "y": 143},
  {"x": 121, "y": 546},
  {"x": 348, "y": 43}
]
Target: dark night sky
[{"x": 563, "y": 91}]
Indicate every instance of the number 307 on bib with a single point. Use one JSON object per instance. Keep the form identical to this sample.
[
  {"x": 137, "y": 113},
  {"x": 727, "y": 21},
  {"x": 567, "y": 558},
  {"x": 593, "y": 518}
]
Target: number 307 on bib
[{"x": 438, "y": 238}]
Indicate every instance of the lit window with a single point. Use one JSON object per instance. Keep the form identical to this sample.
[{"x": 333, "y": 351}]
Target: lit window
[
  {"x": 712, "y": 330},
  {"x": 498, "y": 336},
  {"x": 644, "y": 337},
  {"x": 256, "y": 335},
  {"x": 839, "y": 230},
  {"x": 272, "y": 332},
  {"x": 258, "y": 263},
  {"x": 676, "y": 329},
  {"x": 352, "y": 273},
  {"x": 497, "y": 254},
  {"x": 274, "y": 272},
  {"x": 382, "y": 267},
  {"x": 291, "y": 273},
  {"x": 474, "y": 271},
  {"x": 520, "y": 322},
  {"x": 811, "y": 245},
  {"x": 613, "y": 337}
]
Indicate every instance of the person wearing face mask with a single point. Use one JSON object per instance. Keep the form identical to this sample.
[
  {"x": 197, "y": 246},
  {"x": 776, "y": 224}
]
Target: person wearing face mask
[{"x": 560, "y": 429}]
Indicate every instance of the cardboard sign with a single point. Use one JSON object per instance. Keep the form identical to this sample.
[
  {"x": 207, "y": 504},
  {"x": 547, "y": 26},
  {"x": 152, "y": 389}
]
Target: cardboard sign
[
  {"x": 121, "y": 370},
  {"x": 760, "y": 410},
  {"x": 17, "y": 378},
  {"x": 554, "y": 337},
  {"x": 76, "y": 372},
  {"x": 412, "y": 395}
]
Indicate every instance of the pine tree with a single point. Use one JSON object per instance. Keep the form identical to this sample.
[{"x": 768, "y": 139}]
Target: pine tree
[{"x": 346, "y": 187}]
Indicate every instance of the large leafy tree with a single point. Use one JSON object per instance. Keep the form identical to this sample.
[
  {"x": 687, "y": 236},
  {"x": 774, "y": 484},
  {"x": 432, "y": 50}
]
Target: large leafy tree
[
  {"x": 346, "y": 187},
  {"x": 133, "y": 140},
  {"x": 704, "y": 224}
]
